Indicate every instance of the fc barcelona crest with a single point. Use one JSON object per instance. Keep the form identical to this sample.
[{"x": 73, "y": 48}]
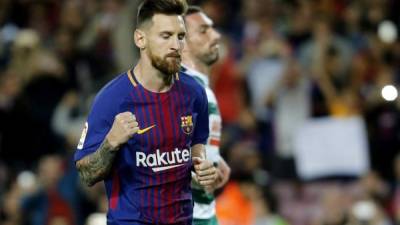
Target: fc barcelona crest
[{"x": 187, "y": 124}]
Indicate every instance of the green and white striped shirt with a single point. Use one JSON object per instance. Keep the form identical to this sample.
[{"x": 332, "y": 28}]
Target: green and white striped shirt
[{"x": 204, "y": 203}]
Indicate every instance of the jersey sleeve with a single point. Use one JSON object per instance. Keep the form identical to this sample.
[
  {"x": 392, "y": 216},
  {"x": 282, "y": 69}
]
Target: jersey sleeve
[
  {"x": 98, "y": 124},
  {"x": 201, "y": 130}
]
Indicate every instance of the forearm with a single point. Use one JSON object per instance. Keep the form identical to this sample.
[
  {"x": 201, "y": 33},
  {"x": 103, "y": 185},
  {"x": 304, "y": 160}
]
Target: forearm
[
  {"x": 96, "y": 166},
  {"x": 199, "y": 151},
  {"x": 224, "y": 172}
]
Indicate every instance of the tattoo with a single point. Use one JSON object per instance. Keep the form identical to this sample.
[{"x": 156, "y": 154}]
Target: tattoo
[{"x": 96, "y": 166}]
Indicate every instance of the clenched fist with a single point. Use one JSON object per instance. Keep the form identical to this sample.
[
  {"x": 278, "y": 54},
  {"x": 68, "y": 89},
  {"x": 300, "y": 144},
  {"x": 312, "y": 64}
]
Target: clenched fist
[
  {"x": 206, "y": 174},
  {"x": 123, "y": 128}
]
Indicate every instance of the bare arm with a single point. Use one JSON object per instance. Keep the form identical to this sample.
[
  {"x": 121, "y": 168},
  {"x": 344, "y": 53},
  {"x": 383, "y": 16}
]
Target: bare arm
[
  {"x": 224, "y": 172},
  {"x": 95, "y": 167},
  {"x": 199, "y": 151}
]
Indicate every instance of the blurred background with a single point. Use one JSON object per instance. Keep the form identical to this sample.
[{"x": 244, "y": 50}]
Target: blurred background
[{"x": 307, "y": 90}]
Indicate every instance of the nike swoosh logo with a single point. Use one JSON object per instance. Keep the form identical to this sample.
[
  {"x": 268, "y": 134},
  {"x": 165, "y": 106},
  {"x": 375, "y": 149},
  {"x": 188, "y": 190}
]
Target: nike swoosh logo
[
  {"x": 144, "y": 130},
  {"x": 158, "y": 169}
]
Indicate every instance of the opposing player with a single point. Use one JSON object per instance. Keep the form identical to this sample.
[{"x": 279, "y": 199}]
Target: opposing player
[
  {"x": 147, "y": 126},
  {"x": 200, "y": 53}
]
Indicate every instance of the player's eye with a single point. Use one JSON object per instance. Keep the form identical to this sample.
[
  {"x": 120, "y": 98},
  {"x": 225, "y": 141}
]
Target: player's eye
[
  {"x": 165, "y": 36},
  {"x": 181, "y": 37},
  {"x": 204, "y": 29}
]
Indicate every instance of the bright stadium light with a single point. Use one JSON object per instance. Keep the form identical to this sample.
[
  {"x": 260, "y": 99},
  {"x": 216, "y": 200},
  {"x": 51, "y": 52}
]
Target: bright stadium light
[
  {"x": 364, "y": 210},
  {"x": 387, "y": 32},
  {"x": 97, "y": 219},
  {"x": 26, "y": 179},
  {"x": 389, "y": 93}
]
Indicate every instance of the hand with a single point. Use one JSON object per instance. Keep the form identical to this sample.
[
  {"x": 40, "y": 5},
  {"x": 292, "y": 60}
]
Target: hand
[
  {"x": 206, "y": 173},
  {"x": 224, "y": 172},
  {"x": 123, "y": 128}
]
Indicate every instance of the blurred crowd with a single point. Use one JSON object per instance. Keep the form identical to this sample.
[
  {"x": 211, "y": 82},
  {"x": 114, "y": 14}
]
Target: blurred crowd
[{"x": 283, "y": 63}]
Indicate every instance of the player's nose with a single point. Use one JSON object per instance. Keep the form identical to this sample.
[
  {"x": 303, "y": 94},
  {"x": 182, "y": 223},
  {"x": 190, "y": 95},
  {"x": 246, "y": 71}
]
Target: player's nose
[
  {"x": 176, "y": 44},
  {"x": 216, "y": 35}
]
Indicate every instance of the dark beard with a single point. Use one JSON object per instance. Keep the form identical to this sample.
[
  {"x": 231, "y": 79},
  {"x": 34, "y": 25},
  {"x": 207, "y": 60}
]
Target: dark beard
[
  {"x": 169, "y": 69},
  {"x": 208, "y": 58}
]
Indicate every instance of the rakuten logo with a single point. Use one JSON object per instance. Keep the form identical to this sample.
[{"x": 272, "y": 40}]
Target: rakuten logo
[{"x": 163, "y": 161}]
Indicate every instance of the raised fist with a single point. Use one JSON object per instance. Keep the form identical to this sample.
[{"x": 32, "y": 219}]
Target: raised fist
[{"x": 123, "y": 128}]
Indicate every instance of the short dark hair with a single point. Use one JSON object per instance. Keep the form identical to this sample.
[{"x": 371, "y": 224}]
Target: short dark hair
[
  {"x": 192, "y": 9},
  {"x": 148, "y": 8}
]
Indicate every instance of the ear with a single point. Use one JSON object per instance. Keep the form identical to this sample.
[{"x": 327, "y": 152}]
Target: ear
[{"x": 140, "y": 39}]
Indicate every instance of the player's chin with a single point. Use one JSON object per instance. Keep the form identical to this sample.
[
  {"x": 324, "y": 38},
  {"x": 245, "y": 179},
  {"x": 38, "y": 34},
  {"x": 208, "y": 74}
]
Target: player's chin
[
  {"x": 173, "y": 68},
  {"x": 175, "y": 65},
  {"x": 212, "y": 58}
]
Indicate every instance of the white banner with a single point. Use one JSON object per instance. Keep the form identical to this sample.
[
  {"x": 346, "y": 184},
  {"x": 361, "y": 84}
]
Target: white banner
[{"x": 331, "y": 147}]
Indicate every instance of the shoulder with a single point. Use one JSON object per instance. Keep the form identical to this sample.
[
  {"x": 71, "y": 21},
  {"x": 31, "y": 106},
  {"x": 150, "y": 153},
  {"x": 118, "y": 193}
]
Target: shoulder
[
  {"x": 115, "y": 90},
  {"x": 200, "y": 78},
  {"x": 191, "y": 83},
  {"x": 203, "y": 82},
  {"x": 110, "y": 98}
]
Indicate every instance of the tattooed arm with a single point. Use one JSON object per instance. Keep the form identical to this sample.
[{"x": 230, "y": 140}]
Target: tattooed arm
[{"x": 96, "y": 166}]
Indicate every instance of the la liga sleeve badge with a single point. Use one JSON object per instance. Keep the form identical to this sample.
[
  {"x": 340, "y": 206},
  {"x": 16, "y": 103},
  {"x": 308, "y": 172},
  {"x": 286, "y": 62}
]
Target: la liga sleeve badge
[{"x": 83, "y": 136}]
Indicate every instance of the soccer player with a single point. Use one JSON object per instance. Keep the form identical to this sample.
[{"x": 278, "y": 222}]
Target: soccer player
[
  {"x": 147, "y": 126},
  {"x": 201, "y": 51}
]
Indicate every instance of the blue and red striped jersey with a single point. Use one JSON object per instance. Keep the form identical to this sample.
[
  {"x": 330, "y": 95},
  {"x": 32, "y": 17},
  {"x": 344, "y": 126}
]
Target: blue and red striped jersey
[{"x": 150, "y": 179}]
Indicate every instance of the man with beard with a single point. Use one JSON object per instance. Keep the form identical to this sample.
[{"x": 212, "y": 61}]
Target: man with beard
[
  {"x": 200, "y": 53},
  {"x": 147, "y": 126}
]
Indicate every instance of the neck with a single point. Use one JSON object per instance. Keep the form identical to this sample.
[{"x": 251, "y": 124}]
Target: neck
[
  {"x": 151, "y": 78},
  {"x": 193, "y": 63}
]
